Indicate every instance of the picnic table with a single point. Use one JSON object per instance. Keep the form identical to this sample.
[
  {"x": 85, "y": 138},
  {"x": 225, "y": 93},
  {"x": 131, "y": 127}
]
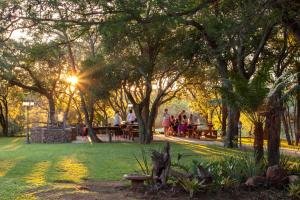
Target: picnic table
[
  {"x": 109, "y": 130},
  {"x": 129, "y": 130},
  {"x": 206, "y": 133}
]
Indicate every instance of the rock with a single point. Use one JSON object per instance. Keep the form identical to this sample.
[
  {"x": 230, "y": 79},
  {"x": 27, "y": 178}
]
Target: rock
[
  {"x": 293, "y": 179},
  {"x": 276, "y": 176},
  {"x": 255, "y": 181}
]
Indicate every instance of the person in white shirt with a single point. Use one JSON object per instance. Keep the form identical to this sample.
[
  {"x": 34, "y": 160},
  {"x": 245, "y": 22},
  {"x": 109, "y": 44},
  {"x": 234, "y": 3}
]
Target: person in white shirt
[
  {"x": 117, "y": 119},
  {"x": 130, "y": 117}
]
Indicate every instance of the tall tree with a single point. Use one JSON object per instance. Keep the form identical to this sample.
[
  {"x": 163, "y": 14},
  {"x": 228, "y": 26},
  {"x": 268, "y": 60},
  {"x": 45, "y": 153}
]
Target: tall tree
[{"x": 36, "y": 67}]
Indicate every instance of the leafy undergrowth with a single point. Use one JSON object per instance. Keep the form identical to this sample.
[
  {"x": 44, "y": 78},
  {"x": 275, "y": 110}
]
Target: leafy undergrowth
[{"x": 107, "y": 190}]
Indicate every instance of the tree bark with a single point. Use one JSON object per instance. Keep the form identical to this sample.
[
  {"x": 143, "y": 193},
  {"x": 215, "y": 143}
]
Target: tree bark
[
  {"x": 161, "y": 162},
  {"x": 4, "y": 117},
  {"x": 224, "y": 118},
  {"x": 258, "y": 141},
  {"x": 231, "y": 139},
  {"x": 297, "y": 131},
  {"x": 273, "y": 127},
  {"x": 66, "y": 114},
  {"x": 51, "y": 110},
  {"x": 88, "y": 122},
  {"x": 286, "y": 128}
]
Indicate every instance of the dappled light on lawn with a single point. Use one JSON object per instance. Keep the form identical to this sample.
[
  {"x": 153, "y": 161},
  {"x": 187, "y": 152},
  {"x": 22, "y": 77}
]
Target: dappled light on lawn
[
  {"x": 14, "y": 145},
  {"x": 210, "y": 152},
  {"x": 38, "y": 173},
  {"x": 283, "y": 144},
  {"x": 5, "y": 166},
  {"x": 71, "y": 169}
]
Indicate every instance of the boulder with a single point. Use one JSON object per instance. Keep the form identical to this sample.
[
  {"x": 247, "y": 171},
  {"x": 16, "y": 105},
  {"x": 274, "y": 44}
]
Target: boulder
[
  {"x": 255, "y": 181},
  {"x": 276, "y": 176},
  {"x": 293, "y": 179}
]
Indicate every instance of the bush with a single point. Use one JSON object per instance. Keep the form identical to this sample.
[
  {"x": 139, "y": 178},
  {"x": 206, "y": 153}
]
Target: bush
[{"x": 294, "y": 190}]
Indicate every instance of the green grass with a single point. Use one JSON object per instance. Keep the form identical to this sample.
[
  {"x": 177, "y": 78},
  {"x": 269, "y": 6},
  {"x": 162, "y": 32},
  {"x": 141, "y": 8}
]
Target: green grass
[
  {"x": 24, "y": 167},
  {"x": 283, "y": 144}
]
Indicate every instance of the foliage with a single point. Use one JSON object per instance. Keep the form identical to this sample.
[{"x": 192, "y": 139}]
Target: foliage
[
  {"x": 226, "y": 172},
  {"x": 191, "y": 186},
  {"x": 248, "y": 95},
  {"x": 289, "y": 164},
  {"x": 143, "y": 163},
  {"x": 294, "y": 190}
]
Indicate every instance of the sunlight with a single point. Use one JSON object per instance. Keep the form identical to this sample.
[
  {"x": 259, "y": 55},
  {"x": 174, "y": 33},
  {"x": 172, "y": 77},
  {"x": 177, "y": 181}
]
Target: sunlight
[
  {"x": 38, "y": 175},
  {"x": 5, "y": 166},
  {"x": 72, "y": 170},
  {"x": 73, "y": 80}
]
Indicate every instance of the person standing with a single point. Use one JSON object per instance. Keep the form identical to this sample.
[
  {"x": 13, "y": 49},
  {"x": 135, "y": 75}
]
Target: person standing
[
  {"x": 180, "y": 118},
  {"x": 130, "y": 117},
  {"x": 166, "y": 121},
  {"x": 184, "y": 125},
  {"x": 117, "y": 119}
]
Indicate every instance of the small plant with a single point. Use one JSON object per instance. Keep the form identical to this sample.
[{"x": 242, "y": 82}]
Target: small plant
[
  {"x": 285, "y": 162},
  {"x": 145, "y": 166},
  {"x": 143, "y": 163},
  {"x": 294, "y": 190},
  {"x": 191, "y": 185},
  {"x": 250, "y": 168},
  {"x": 228, "y": 183}
]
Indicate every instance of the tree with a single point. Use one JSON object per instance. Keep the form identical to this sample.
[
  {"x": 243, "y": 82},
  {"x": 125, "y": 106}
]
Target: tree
[
  {"x": 143, "y": 60},
  {"x": 4, "y": 88},
  {"x": 249, "y": 96},
  {"x": 34, "y": 67}
]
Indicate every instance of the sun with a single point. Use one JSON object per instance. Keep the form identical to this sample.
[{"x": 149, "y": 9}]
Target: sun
[{"x": 73, "y": 80}]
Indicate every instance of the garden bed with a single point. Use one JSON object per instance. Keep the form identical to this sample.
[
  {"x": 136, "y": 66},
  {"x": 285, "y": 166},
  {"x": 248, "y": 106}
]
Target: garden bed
[{"x": 108, "y": 190}]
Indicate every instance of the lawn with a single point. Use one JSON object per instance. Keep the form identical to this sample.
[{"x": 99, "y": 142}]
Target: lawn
[
  {"x": 283, "y": 144},
  {"x": 24, "y": 167}
]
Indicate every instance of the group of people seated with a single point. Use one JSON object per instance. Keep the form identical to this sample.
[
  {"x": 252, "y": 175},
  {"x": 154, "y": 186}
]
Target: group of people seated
[{"x": 178, "y": 125}]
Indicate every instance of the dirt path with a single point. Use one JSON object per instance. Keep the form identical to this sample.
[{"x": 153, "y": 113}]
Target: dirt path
[
  {"x": 111, "y": 190},
  {"x": 218, "y": 143}
]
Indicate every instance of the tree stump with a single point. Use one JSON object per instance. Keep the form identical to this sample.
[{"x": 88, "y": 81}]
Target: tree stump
[{"x": 161, "y": 165}]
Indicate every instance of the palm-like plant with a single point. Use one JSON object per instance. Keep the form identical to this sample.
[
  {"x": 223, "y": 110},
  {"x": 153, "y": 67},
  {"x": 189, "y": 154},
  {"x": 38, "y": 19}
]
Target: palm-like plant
[{"x": 249, "y": 96}]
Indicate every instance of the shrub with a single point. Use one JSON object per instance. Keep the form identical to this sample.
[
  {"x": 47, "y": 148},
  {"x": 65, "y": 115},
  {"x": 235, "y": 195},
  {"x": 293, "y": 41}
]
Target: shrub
[{"x": 294, "y": 190}]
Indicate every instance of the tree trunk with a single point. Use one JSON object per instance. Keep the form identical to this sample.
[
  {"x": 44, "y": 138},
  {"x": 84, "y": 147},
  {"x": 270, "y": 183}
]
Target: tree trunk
[
  {"x": 224, "y": 118},
  {"x": 258, "y": 141},
  {"x": 4, "y": 116},
  {"x": 297, "y": 131},
  {"x": 88, "y": 122},
  {"x": 273, "y": 127},
  {"x": 145, "y": 119},
  {"x": 51, "y": 110},
  {"x": 286, "y": 128},
  {"x": 145, "y": 128},
  {"x": 231, "y": 139},
  {"x": 67, "y": 111},
  {"x": 161, "y": 162}
]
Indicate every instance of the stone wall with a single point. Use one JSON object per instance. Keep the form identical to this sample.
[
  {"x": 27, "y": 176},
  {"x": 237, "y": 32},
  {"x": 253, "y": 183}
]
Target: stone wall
[{"x": 52, "y": 135}]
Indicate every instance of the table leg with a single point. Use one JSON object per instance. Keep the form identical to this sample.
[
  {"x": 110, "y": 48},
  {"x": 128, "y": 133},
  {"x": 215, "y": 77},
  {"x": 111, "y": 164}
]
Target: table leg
[{"x": 110, "y": 136}]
